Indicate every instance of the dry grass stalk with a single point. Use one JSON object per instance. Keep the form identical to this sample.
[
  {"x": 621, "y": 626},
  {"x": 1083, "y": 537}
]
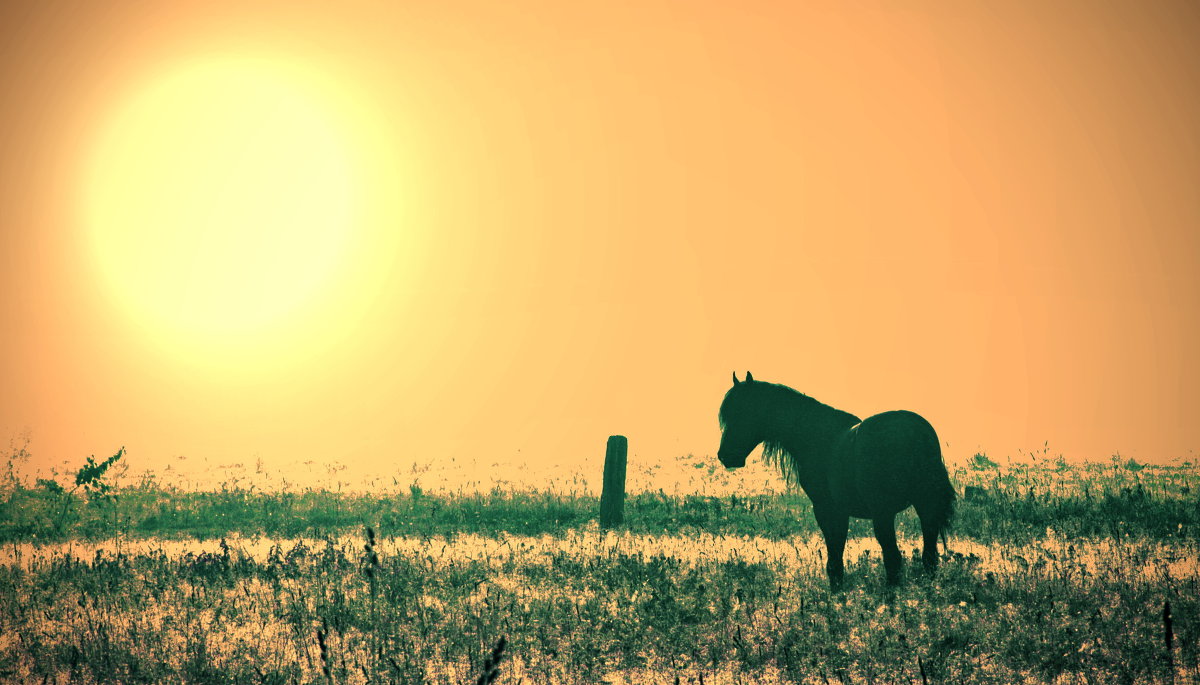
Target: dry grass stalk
[{"x": 491, "y": 665}]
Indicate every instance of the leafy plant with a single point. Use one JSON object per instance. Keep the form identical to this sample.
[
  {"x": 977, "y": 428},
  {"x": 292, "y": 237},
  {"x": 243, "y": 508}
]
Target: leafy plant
[
  {"x": 90, "y": 478},
  {"x": 980, "y": 462}
]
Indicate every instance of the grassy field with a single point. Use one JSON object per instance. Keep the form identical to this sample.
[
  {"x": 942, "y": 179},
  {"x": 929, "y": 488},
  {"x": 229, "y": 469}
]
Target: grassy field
[{"x": 1057, "y": 574}]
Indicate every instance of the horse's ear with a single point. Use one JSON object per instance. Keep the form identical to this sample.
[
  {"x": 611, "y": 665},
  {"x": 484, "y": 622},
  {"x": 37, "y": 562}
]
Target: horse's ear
[
  {"x": 749, "y": 377},
  {"x": 735, "y": 380}
]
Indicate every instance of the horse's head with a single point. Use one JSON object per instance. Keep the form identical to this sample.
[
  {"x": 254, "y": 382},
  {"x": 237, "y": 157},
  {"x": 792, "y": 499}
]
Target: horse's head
[{"x": 741, "y": 422}]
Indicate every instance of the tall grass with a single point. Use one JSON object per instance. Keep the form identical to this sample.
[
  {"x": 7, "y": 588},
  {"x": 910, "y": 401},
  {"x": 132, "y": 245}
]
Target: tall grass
[
  {"x": 646, "y": 608},
  {"x": 1006, "y": 504},
  {"x": 1059, "y": 574}
]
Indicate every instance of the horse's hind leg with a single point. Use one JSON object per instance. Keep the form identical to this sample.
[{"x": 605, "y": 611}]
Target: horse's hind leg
[
  {"x": 885, "y": 533},
  {"x": 930, "y": 529},
  {"x": 834, "y": 526}
]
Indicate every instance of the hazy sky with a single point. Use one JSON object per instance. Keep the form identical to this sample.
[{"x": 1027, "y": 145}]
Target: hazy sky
[{"x": 385, "y": 232}]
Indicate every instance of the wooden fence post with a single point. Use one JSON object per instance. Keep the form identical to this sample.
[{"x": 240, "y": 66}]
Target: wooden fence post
[{"x": 612, "y": 498}]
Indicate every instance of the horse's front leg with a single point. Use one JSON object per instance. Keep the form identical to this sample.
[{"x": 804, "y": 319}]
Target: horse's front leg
[{"x": 834, "y": 526}]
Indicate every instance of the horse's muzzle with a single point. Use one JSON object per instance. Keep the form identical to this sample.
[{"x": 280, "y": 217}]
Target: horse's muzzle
[{"x": 730, "y": 461}]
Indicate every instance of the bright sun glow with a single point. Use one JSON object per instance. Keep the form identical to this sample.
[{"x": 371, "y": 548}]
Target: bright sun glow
[{"x": 220, "y": 199}]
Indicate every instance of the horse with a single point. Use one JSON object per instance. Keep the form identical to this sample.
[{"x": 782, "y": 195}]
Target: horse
[{"x": 872, "y": 468}]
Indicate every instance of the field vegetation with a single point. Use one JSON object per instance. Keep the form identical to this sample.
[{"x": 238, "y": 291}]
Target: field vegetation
[{"x": 1057, "y": 573}]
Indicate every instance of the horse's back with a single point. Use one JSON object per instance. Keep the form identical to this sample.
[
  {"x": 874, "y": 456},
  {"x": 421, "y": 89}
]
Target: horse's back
[
  {"x": 886, "y": 463},
  {"x": 901, "y": 430}
]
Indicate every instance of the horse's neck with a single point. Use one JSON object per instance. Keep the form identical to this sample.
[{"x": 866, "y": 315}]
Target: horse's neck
[{"x": 808, "y": 430}]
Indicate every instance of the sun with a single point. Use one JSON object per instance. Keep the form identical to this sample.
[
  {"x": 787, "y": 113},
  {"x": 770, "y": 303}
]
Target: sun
[{"x": 219, "y": 199}]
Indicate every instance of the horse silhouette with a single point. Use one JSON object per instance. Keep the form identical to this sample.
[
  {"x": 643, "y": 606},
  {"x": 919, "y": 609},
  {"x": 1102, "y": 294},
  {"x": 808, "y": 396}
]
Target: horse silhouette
[{"x": 872, "y": 468}]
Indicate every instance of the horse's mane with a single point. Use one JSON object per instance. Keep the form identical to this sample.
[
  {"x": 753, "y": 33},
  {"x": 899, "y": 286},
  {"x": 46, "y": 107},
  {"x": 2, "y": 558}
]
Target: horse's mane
[
  {"x": 808, "y": 411},
  {"x": 775, "y": 454}
]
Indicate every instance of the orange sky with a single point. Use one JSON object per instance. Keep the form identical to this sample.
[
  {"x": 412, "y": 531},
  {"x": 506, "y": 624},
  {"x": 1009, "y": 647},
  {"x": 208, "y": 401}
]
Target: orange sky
[{"x": 576, "y": 219}]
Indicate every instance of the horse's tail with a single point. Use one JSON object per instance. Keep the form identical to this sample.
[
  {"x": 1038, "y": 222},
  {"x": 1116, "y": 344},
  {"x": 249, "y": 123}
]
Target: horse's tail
[
  {"x": 945, "y": 500},
  {"x": 942, "y": 493}
]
